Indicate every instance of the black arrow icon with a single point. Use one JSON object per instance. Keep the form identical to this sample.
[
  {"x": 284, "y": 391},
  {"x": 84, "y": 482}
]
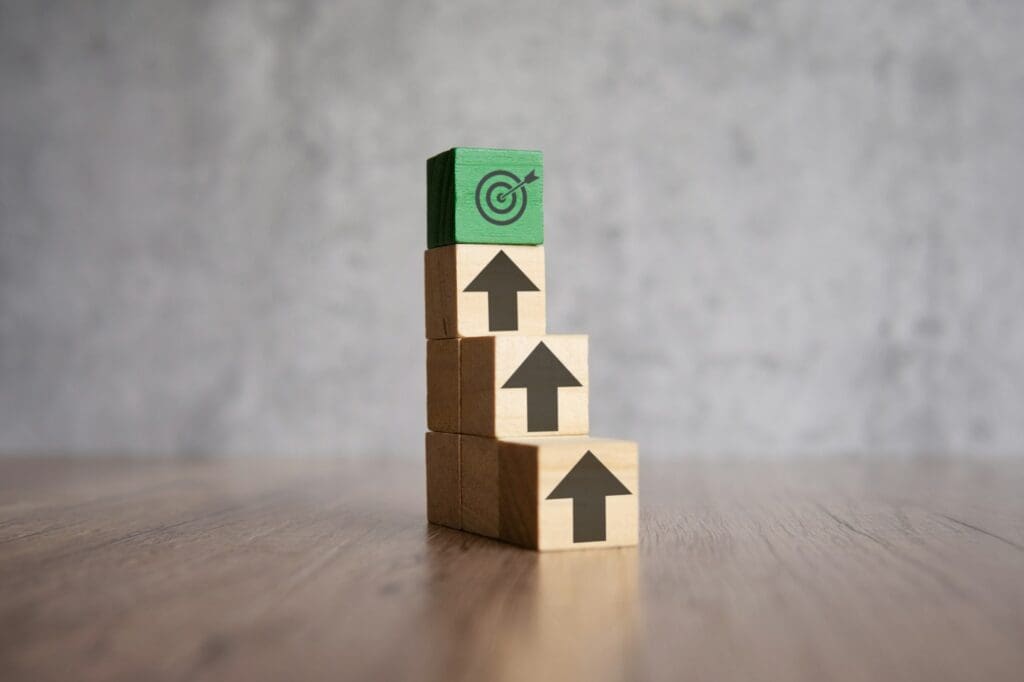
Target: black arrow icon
[
  {"x": 541, "y": 374},
  {"x": 588, "y": 483},
  {"x": 530, "y": 177},
  {"x": 502, "y": 280}
]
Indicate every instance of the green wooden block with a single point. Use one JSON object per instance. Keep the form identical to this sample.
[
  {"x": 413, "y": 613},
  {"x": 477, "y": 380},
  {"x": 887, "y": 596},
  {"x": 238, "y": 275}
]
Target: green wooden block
[{"x": 485, "y": 196}]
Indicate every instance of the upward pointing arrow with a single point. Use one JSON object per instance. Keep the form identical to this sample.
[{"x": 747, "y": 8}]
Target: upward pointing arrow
[
  {"x": 588, "y": 483},
  {"x": 502, "y": 280},
  {"x": 541, "y": 373}
]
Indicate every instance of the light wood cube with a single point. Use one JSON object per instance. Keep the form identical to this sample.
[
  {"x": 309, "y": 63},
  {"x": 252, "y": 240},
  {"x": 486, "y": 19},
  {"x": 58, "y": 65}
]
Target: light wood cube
[
  {"x": 524, "y": 385},
  {"x": 562, "y": 492},
  {"x": 483, "y": 289},
  {"x": 444, "y": 504}
]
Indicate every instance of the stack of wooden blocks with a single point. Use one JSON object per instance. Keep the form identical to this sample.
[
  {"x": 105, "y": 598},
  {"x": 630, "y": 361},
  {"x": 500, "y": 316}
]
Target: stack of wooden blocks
[{"x": 508, "y": 453}]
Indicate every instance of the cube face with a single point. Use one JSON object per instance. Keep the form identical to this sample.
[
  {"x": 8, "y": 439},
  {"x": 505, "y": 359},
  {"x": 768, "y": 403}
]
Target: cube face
[
  {"x": 587, "y": 493},
  {"x": 481, "y": 290},
  {"x": 551, "y": 493},
  {"x": 444, "y": 503},
  {"x": 485, "y": 196},
  {"x": 479, "y": 486},
  {"x": 443, "y": 385},
  {"x": 524, "y": 385}
]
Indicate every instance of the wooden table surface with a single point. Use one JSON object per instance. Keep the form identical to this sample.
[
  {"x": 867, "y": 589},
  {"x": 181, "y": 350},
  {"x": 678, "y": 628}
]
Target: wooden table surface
[{"x": 288, "y": 570}]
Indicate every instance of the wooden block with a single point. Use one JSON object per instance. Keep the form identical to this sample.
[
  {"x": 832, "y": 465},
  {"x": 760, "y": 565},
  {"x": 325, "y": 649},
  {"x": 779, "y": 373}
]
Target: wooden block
[
  {"x": 443, "y": 385},
  {"x": 569, "y": 493},
  {"x": 485, "y": 196},
  {"x": 557, "y": 492},
  {"x": 524, "y": 385},
  {"x": 480, "y": 289},
  {"x": 444, "y": 504}
]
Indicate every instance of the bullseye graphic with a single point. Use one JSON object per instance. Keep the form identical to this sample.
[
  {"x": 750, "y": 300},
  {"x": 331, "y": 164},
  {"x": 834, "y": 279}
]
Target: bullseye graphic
[{"x": 501, "y": 196}]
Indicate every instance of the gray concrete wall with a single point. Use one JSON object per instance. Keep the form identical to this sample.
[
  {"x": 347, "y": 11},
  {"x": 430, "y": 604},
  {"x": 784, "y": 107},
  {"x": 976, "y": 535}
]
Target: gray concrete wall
[{"x": 789, "y": 227}]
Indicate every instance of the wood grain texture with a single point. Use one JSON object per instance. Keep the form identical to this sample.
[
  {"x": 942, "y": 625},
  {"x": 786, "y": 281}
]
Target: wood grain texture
[
  {"x": 439, "y": 285},
  {"x": 531, "y": 468},
  {"x": 452, "y": 311},
  {"x": 488, "y": 409},
  {"x": 443, "y": 405},
  {"x": 481, "y": 492},
  {"x": 505, "y": 485},
  {"x": 443, "y": 464},
  {"x": 263, "y": 570}
]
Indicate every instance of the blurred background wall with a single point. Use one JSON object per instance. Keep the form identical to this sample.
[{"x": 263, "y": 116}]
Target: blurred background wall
[{"x": 788, "y": 226}]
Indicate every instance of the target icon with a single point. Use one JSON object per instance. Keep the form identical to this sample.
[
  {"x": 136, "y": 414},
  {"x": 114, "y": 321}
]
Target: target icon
[{"x": 501, "y": 196}]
